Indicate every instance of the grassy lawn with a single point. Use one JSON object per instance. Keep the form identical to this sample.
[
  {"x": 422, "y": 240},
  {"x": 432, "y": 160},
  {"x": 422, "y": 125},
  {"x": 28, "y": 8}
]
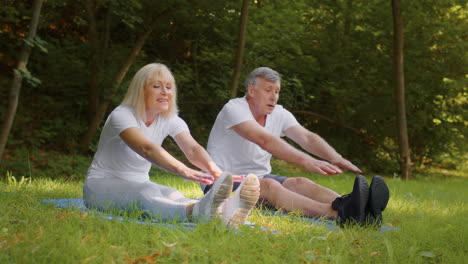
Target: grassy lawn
[{"x": 430, "y": 214}]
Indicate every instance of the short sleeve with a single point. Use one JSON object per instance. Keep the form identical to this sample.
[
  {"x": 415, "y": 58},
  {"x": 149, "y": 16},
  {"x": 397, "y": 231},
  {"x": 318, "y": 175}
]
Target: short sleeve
[
  {"x": 176, "y": 126},
  {"x": 234, "y": 113},
  {"x": 122, "y": 118},
  {"x": 288, "y": 120}
]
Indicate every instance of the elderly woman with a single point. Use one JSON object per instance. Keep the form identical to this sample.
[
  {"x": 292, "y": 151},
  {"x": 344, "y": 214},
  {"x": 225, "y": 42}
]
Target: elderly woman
[{"x": 130, "y": 142}]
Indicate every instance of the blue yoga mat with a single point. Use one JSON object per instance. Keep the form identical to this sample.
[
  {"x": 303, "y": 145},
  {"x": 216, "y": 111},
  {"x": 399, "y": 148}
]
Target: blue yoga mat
[{"x": 79, "y": 203}]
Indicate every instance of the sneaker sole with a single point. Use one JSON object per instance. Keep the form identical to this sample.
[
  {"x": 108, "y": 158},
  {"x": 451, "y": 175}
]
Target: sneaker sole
[
  {"x": 363, "y": 198},
  {"x": 222, "y": 193},
  {"x": 379, "y": 196},
  {"x": 249, "y": 194},
  {"x": 219, "y": 193}
]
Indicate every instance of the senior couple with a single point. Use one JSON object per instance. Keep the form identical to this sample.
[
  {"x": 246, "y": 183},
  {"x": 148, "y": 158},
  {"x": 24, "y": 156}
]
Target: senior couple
[{"x": 245, "y": 135}]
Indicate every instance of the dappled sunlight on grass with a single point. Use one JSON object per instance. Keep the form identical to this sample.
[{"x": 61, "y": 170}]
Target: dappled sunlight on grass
[
  {"x": 426, "y": 207},
  {"x": 46, "y": 188},
  {"x": 188, "y": 188},
  {"x": 430, "y": 215},
  {"x": 434, "y": 172}
]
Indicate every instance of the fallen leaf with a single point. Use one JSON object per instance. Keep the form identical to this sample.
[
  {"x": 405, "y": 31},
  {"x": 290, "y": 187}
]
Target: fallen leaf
[
  {"x": 129, "y": 260},
  {"x": 149, "y": 259},
  {"x": 169, "y": 244},
  {"x": 138, "y": 260},
  {"x": 427, "y": 254},
  {"x": 156, "y": 254}
]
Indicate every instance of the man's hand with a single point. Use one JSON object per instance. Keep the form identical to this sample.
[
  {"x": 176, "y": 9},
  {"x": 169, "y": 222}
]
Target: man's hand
[
  {"x": 346, "y": 164},
  {"x": 322, "y": 167}
]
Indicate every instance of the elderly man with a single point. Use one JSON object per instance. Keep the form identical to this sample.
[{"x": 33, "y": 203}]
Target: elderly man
[{"x": 248, "y": 131}]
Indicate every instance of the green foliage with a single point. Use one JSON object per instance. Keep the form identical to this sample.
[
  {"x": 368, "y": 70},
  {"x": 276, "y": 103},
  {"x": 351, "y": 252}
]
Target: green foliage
[
  {"x": 26, "y": 74},
  {"x": 38, "y": 164},
  {"x": 335, "y": 58},
  {"x": 37, "y": 42},
  {"x": 126, "y": 10}
]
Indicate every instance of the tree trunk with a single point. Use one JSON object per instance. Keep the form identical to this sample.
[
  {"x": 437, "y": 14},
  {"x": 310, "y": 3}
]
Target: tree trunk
[
  {"x": 95, "y": 59},
  {"x": 240, "y": 48},
  {"x": 17, "y": 80},
  {"x": 101, "y": 108},
  {"x": 398, "y": 63}
]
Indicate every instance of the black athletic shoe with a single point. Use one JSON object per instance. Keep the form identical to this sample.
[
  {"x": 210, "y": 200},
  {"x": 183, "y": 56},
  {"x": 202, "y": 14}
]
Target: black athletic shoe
[
  {"x": 379, "y": 195},
  {"x": 352, "y": 207}
]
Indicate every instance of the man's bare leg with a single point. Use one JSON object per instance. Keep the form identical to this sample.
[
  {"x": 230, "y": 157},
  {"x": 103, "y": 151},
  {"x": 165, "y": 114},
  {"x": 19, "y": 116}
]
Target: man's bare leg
[
  {"x": 310, "y": 189},
  {"x": 288, "y": 200}
]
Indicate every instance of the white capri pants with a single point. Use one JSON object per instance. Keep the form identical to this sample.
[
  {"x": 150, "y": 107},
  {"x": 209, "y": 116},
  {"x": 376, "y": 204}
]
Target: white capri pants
[{"x": 159, "y": 201}]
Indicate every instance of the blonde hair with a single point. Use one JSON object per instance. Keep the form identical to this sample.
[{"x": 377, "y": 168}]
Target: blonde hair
[{"x": 135, "y": 97}]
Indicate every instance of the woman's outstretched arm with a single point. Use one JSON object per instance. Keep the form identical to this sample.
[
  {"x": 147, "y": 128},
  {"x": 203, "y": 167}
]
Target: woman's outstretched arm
[{"x": 158, "y": 156}]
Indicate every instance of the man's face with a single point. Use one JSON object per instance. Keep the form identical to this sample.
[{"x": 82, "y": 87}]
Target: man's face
[{"x": 265, "y": 96}]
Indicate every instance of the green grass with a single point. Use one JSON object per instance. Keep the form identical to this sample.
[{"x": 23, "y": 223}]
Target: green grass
[{"x": 430, "y": 214}]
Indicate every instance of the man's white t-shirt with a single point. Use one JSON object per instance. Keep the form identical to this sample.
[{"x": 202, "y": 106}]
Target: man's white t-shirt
[
  {"x": 236, "y": 154},
  {"x": 114, "y": 158}
]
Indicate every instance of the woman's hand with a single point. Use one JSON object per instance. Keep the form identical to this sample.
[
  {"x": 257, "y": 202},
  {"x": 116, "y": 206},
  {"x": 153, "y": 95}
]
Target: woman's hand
[
  {"x": 197, "y": 176},
  {"x": 196, "y": 154},
  {"x": 238, "y": 178}
]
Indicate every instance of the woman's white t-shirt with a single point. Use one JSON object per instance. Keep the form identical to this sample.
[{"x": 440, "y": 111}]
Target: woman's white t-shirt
[
  {"x": 235, "y": 154},
  {"x": 114, "y": 158}
]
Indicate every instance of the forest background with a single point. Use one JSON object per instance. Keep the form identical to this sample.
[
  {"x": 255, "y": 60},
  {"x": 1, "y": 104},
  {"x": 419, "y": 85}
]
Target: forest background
[{"x": 335, "y": 58}]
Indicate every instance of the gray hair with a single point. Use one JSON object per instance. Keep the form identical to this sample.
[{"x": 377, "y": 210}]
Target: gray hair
[{"x": 262, "y": 72}]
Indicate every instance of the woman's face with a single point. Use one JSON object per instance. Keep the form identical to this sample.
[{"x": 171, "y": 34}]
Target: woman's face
[{"x": 158, "y": 95}]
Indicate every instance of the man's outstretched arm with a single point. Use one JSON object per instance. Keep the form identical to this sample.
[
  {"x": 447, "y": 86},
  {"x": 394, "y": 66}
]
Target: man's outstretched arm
[
  {"x": 279, "y": 148},
  {"x": 316, "y": 145}
]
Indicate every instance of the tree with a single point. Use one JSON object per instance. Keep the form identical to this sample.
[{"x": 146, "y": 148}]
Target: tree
[
  {"x": 398, "y": 64},
  {"x": 333, "y": 56},
  {"x": 20, "y": 73},
  {"x": 100, "y": 97},
  {"x": 240, "y": 48}
]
